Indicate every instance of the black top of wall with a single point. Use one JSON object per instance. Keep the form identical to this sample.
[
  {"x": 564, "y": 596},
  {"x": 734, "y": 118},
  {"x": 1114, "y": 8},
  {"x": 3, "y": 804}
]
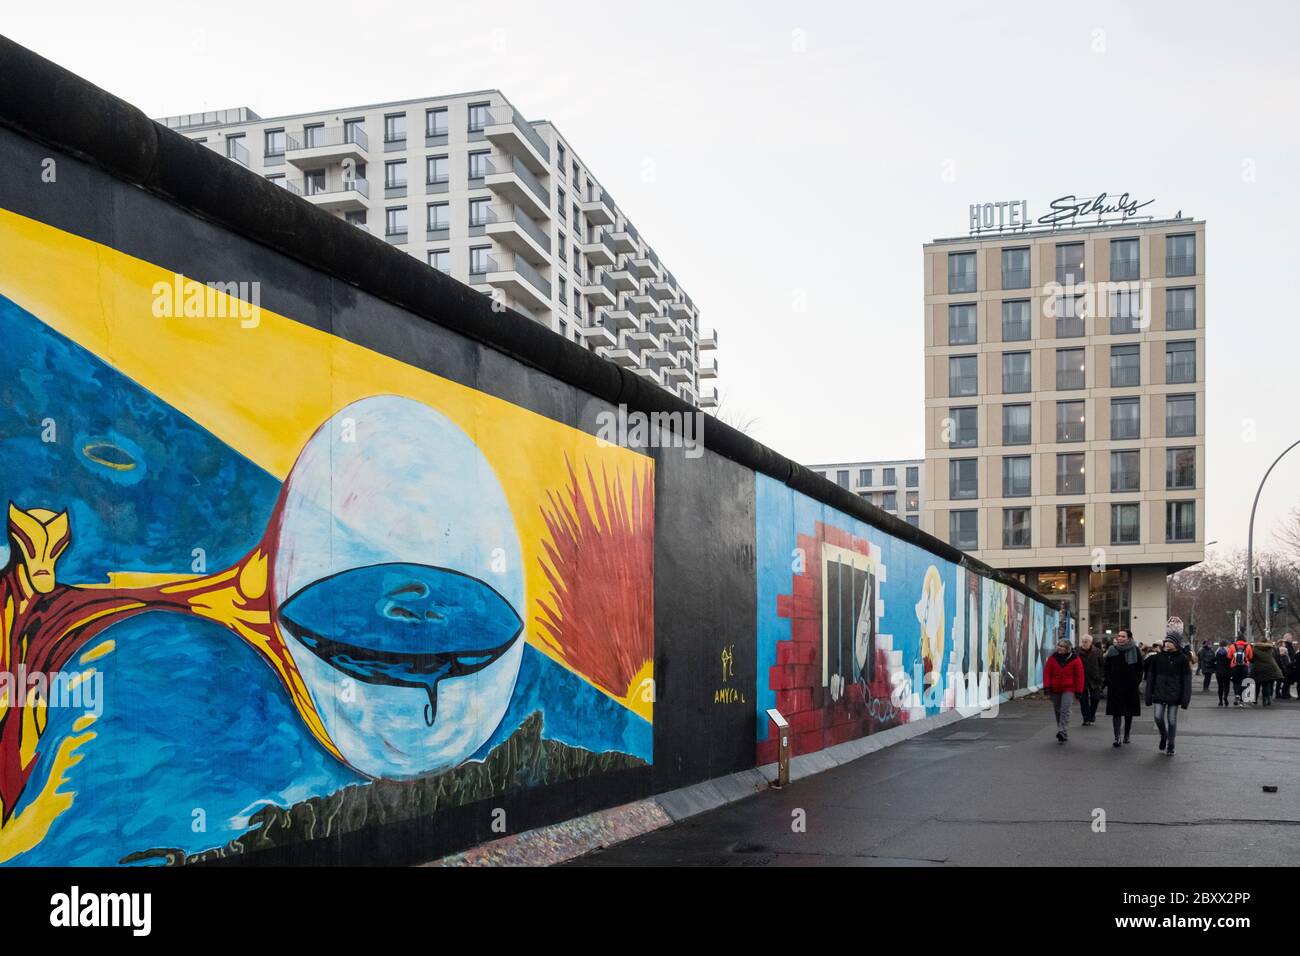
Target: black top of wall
[{"x": 49, "y": 104}]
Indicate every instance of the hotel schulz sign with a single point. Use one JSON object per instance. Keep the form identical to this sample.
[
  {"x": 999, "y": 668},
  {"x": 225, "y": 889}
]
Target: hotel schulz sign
[{"x": 1062, "y": 212}]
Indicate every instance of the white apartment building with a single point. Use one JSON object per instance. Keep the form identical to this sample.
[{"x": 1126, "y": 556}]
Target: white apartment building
[
  {"x": 894, "y": 485},
  {"x": 468, "y": 185},
  {"x": 1065, "y": 370}
]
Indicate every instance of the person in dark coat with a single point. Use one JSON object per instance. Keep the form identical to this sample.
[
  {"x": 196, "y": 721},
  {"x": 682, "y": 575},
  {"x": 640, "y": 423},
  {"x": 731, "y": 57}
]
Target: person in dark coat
[
  {"x": 1169, "y": 684},
  {"x": 1294, "y": 675},
  {"x": 1222, "y": 671},
  {"x": 1063, "y": 680},
  {"x": 1205, "y": 663},
  {"x": 1122, "y": 668},
  {"x": 1090, "y": 656},
  {"x": 1266, "y": 673}
]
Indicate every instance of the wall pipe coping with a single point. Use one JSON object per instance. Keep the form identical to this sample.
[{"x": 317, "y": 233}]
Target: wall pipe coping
[{"x": 45, "y": 102}]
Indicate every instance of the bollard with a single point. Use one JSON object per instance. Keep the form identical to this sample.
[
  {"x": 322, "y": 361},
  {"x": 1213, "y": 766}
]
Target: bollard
[{"x": 783, "y": 748}]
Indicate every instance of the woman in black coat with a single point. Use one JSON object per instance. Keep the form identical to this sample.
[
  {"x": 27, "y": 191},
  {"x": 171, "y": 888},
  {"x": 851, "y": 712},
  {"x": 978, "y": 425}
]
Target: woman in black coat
[
  {"x": 1169, "y": 687},
  {"x": 1122, "y": 667}
]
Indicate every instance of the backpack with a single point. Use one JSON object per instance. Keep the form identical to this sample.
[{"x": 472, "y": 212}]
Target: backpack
[{"x": 1239, "y": 656}]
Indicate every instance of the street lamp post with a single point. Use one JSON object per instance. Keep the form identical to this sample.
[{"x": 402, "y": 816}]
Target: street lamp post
[{"x": 1250, "y": 540}]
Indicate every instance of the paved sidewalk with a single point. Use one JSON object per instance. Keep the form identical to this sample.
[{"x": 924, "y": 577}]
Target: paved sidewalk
[{"x": 1001, "y": 791}]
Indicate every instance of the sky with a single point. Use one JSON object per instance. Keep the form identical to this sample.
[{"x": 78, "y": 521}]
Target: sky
[{"x": 787, "y": 161}]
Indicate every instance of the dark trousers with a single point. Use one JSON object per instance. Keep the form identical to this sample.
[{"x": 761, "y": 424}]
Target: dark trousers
[
  {"x": 1208, "y": 675},
  {"x": 1128, "y": 725},
  {"x": 1222, "y": 680},
  {"x": 1088, "y": 703},
  {"x": 1238, "y": 676}
]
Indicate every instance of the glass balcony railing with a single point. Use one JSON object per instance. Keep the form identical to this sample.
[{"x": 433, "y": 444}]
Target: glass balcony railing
[
  {"x": 316, "y": 136},
  {"x": 1015, "y": 278},
  {"x": 1180, "y": 265},
  {"x": 501, "y": 115},
  {"x": 1123, "y": 269}
]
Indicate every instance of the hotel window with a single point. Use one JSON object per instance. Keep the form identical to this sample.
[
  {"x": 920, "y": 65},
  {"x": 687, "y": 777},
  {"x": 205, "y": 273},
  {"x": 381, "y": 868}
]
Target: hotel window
[
  {"x": 1125, "y": 418},
  {"x": 395, "y": 174},
  {"x": 1126, "y": 311},
  {"x": 1125, "y": 366},
  {"x": 1123, "y": 259},
  {"x": 961, "y": 272},
  {"x": 864, "y": 477},
  {"x": 274, "y": 142},
  {"x": 1069, "y": 474},
  {"x": 1180, "y": 255},
  {"x": 439, "y": 216},
  {"x": 1069, "y": 263},
  {"x": 914, "y": 520},
  {"x": 1015, "y": 268},
  {"x": 1108, "y": 598},
  {"x": 313, "y": 135},
  {"x": 962, "y": 379},
  {"x": 1069, "y": 369},
  {"x": 1125, "y": 524},
  {"x": 1070, "y": 312},
  {"x": 1070, "y": 424},
  {"x": 1069, "y": 526},
  {"x": 963, "y": 481},
  {"x": 913, "y": 501},
  {"x": 1016, "y": 476},
  {"x": 962, "y": 529},
  {"x": 395, "y": 128},
  {"x": 965, "y": 430},
  {"x": 1180, "y": 309},
  {"x": 1015, "y": 320},
  {"x": 1180, "y": 467},
  {"x": 1015, "y": 372},
  {"x": 480, "y": 260},
  {"x": 913, "y": 476},
  {"x": 1180, "y": 362},
  {"x": 480, "y": 212},
  {"x": 1125, "y": 471},
  {"x": 1015, "y": 528},
  {"x": 354, "y": 131},
  {"x": 887, "y": 477},
  {"x": 889, "y": 501},
  {"x": 842, "y": 477},
  {"x": 1180, "y": 415},
  {"x": 478, "y": 117},
  {"x": 1180, "y": 521},
  {"x": 437, "y": 169},
  {"x": 435, "y": 121},
  {"x": 1016, "y": 428},
  {"x": 395, "y": 221},
  {"x": 440, "y": 259},
  {"x": 479, "y": 165}
]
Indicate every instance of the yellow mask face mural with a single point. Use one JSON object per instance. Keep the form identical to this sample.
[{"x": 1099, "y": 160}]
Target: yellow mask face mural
[{"x": 38, "y": 537}]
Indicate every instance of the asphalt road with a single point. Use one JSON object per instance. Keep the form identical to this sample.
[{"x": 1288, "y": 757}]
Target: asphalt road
[{"x": 1002, "y": 792}]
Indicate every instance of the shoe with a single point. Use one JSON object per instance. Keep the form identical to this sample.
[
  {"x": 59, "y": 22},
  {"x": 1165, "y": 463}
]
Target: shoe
[
  {"x": 1126, "y": 740},
  {"x": 1116, "y": 743},
  {"x": 1060, "y": 737},
  {"x": 1169, "y": 752},
  {"x": 1162, "y": 743}
]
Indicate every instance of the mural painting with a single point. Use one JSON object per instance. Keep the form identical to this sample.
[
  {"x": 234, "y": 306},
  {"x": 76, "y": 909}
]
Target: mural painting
[{"x": 275, "y": 572}]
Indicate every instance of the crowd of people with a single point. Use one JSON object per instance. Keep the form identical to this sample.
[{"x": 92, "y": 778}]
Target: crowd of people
[{"x": 1128, "y": 675}]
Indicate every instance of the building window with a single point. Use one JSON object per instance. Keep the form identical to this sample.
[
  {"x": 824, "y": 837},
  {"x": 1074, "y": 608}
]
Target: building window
[
  {"x": 1126, "y": 311},
  {"x": 965, "y": 430},
  {"x": 962, "y": 379},
  {"x": 1180, "y": 521},
  {"x": 913, "y": 476},
  {"x": 395, "y": 174},
  {"x": 1069, "y": 526},
  {"x": 1180, "y": 255},
  {"x": 435, "y": 121},
  {"x": 963, "y": 480},
  {"x": 1123, "y": 259},
  {"x": 440, "y": 259},
  {"x": 888, "y": 477},
  {"x": 1108, "y": 598},
  {"x": 1180, "y": 467},
  {"x": 1016, "y": 428},
  {"x": 961, "y": 324},
  {"x": 1125, "y": 366},
  {"x": 395, "y": 221},
  {"x": 914, "y": 520},
  {"x": 1069, "y": 263},
  {"x": 478, "y": 117},
  {"x": 480, "y": 213},
  {"x": 1125, "y": 471},
  {"x": 235, "y": 148},
  {"x": 1125, "y": 418},
  {"x": 889, "y": 501},
  {"x": 1015, "y": 372},
  {"x": 1015, "y": 528},
  {"x": 842, "y": 477},
  {"x": 913, "y": 501},
  {"x": 395, "y": 128},
  {"x": 313, "y": 135},
  {"x": 439, "y": 216},
  {"x": 961, "y": 272},
  {"x": 962, "y": 531},
  {"x": 1125, "y": 524},
  {"x": 1180, "y": 362},
  {"x": 1180, "y": 309},
  {"x": 355, "y": 217},
  {"x": 277, "y": 179},
  {"x": 1016, "y": 476},
  {"x": 1015, "y": 268},
  {"x": 1069, "y": 474},
  {"x": 437, "y": 170},
  {"x": 864, "y": 477},
  {"x": 274, "y": 142},
  {"x": 1069, "y": 369},
  {"x": 479, "y": 166},
  {"x": 1070, "y": 424},
  {"x": 1070, "y": 312},
  {"x": 1015, "y": 320},
  {"x": 1180, "y": 415},
  {"x": 481, "y": 261}
]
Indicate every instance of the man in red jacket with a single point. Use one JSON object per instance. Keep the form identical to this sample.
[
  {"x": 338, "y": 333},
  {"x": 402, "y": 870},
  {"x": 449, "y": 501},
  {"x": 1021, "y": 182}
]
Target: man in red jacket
[
  {"x": 1062, "y": 679},
  {"x": 1240, "y": 656}
]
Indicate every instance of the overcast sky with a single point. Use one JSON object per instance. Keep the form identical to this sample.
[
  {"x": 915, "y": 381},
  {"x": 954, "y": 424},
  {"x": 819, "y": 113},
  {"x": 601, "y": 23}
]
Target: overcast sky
[{"x": 787, "y": 161}]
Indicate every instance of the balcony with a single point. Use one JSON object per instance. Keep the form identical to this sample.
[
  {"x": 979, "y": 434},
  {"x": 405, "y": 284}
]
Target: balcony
[
  {"x": 708, "y": 400},
  {"x": 598, "y": 207},
  {"x": 309, "y": 148},
  {"x": 709, "y": 341},
  {"x": 626, "y": 240},
  {"x": 675, "y": 373},
  {"x": 515, "y": 230},
  {"x": 645, "y": 268},
  {"x": 234, "y": 150},
  {"x": 600, "y": 250},
  {"x": 650, "y": 375},
  {"x": 511, "y": 132},
  {"x": 662, "y": 291},
  {"x": 641, "y": 339},
  {"x": 515, "y": 276},
  {"x": 517, "y": 185},
  {"x": 678, "y": 337},
  {"x": 602, "y": 291},
  {"x": 345, "y": 195},
  {"x": 599, "y": 330},
  {"x": 709, "y": 370},
  {"x": 624, "y": 319},
  {"x": 624, "y": 280},
  {"x": 680, "y": 309}
]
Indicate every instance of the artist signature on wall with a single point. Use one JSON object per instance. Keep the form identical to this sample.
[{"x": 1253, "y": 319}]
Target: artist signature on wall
[{"x": 1067, "y": 210}]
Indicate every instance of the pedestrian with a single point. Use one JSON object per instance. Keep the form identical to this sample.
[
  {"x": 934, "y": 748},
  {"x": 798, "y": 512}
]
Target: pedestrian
[
  {"x": 1169, "y": 684},
  {"x": 1123, "y": 672},
  {"x": 1062, "y": 679},
  {"x": 1090, "y": 657},
  {"x": 1239, "y": 655},
  {"x": 1294, "y": 676},
  {"x": 1286, "y": 664},
  {"x": 1223, "y": 671},
  {"x": 1266, "y": 673},
  {"x": 1205, "y": 663}
]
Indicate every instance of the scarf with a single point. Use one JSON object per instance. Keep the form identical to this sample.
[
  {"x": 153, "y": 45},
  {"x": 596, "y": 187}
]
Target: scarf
[{"x": 1130, "y": 652}]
